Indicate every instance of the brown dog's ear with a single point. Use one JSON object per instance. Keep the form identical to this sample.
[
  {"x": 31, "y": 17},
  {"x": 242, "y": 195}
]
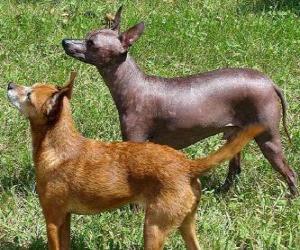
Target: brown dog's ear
[
  {"x": 131, "y": 35},
  {"x": 69, "y": 85},
  {"x": 117, "y": 20},
  {"x": 54, "y": 104}
]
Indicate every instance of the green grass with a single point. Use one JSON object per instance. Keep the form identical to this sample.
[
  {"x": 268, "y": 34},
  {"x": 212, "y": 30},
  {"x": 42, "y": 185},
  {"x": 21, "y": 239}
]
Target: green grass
[{"x": 181, "y": 37}]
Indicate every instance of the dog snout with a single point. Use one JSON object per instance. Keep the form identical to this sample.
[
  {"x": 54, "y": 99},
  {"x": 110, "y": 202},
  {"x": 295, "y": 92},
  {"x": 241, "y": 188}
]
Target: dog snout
[
  {"x": 11, "y": 86},
  {"x": 76, "y": 44},
  {"x": 75, "y": 48},
  {"x": 65, "y": 43}
]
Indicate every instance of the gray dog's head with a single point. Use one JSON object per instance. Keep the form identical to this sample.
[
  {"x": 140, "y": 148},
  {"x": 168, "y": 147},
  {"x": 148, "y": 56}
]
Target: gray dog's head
[{"x": 105, "y": 46}]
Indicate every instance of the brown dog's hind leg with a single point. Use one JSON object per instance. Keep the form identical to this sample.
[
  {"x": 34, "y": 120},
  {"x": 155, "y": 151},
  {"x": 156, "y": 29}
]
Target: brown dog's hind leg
[
  {"x": 271, "y": 147},
  {"x": 161, "y": 217},
  {"x": 188, "y": 226},
  {"x": 188, "y": 231},
  {"x": 154, "y": 233},
  {"x": 154, "y": 237}
]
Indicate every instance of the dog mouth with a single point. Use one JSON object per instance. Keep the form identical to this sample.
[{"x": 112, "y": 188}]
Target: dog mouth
[
  {"x": 17, "y": 95},
  {"x": 13, "y": 99},
  {"x": 74, "y": 48}
]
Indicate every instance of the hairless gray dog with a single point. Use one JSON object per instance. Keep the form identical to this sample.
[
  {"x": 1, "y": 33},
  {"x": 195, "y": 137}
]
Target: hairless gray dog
[{"x": 183, "y": 110}]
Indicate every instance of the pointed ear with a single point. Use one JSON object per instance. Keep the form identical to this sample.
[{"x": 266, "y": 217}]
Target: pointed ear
[
  {"x": 117, "y": 20},
  {"x": 54, "y": 104},
  {"x": 133, "y": 34},
  {"x": 68, "y": 88}
]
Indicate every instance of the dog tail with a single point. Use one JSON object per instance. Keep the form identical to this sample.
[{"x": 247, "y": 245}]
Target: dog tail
[
  {"x": 227, "y": 151},
  {"x": 283, "y": 104}
]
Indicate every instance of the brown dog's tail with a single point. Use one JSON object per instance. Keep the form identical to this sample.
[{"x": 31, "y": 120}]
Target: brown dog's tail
[
  {"x": 283, "y": 105},
  {"x": 226, "y": 152}
]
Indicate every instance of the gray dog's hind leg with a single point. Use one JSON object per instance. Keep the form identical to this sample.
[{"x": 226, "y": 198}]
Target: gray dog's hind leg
[
  {"x": 233, "y": 170},
  {"x": 271, "y": 147}
]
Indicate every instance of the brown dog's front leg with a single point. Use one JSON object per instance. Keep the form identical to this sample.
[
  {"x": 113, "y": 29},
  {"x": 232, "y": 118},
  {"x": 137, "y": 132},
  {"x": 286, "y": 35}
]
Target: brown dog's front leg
[
  {"x": 55, "y": 219},
  {"x": 53, "y": 236},
  {"x": 65, "y": 236}
]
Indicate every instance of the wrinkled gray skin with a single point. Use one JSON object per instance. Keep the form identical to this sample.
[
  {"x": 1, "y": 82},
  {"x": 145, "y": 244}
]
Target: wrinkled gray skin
[{"x": 183, "y": 110}]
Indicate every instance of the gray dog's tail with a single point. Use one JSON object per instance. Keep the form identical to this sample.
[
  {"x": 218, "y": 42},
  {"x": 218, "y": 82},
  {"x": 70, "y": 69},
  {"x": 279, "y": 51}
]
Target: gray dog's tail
[{"x": 283, "y": 104}]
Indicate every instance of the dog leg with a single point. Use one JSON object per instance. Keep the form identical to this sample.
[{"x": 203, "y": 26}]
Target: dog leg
[
  {"x": 154, "y": 235},
  {"x": 271, "y": 147},
  {"x": 233, "y": 170},
  {"x": 188, "y": 226},
  {"x": 54, "y": 221},
  {"x": 65, "y": 237},
  {"x": 53, "y": 236},
  {"x": 156, "y": 228},
  {"x": 188, "y": 231}
]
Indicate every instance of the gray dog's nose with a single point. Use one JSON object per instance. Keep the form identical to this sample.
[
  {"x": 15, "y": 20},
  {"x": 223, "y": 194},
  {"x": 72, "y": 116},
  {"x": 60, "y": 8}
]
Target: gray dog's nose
[
  {"x": 11, "y": 86},
  {"x": 64, "y": 42}
]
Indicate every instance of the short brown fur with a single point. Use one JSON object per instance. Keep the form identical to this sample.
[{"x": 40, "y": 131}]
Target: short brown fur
[{"x": 79, "y": 175}]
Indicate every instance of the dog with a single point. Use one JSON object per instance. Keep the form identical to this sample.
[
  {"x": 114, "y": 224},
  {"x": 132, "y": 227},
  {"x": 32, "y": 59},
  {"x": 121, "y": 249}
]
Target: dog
[
  {"x": 84, "y": 176},
  {"x": 183, "y": 110}
]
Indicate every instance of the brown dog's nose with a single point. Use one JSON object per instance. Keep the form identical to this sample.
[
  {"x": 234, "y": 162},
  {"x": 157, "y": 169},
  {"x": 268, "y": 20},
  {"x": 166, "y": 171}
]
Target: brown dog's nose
[{"x": 11, "y": 86}]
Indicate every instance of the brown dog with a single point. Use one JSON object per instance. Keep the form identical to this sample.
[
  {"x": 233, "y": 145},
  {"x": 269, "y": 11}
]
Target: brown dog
[{"x": 83, "y": 176}]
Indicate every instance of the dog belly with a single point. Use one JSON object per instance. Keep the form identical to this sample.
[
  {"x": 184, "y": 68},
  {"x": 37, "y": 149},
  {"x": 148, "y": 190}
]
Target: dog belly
[
  {"x": 181, "y": 138},
  {"x": 94, "y": 205}
]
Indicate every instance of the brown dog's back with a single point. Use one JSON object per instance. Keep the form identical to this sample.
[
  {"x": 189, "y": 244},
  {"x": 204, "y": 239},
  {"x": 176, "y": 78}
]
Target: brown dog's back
[{"x": 111, "y": 174}]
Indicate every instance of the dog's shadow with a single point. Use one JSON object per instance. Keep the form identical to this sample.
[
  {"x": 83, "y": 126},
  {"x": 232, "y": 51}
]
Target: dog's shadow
[
  {"x": 37, "y": 244},
  {"x": 23, "y": 181},
  {"x": 266, "y": 5},
  {"x": 78, "y": 243}
]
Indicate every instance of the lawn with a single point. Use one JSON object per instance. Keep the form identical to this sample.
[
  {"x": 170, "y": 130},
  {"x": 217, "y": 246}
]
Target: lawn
[{"x": 181, "y": 37}]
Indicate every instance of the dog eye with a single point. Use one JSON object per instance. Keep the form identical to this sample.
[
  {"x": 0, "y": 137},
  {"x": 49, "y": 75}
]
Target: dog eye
[
  {"x": 89, "y": 43},
  {"x": 28, "y": 96}
]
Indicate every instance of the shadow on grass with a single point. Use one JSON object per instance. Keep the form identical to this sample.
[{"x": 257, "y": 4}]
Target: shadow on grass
[
  {"x": 22, "y": 181},
  {"x": 259, "y": 6},
  {"x": 210, "y": 183},
  {"x": 78, "y": 243},
  {"x": 35, "y": 1},
  {"x": 37, "y": 244},
  {"x": 214, "y": 184}
]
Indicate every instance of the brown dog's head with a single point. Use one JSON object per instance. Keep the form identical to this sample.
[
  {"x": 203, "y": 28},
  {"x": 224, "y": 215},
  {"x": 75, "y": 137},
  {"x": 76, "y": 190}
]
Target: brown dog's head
[
  {"x": 41, "y": 103},
  {"x": 105, "y": 46}
]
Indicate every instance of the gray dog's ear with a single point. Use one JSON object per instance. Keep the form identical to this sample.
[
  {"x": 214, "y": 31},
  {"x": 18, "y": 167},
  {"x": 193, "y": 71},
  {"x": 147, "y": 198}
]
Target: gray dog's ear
[
  {"x": 131, "y": 35},
  {"x": 117, "y": 20},
  {"x": 54, "y": 104}
]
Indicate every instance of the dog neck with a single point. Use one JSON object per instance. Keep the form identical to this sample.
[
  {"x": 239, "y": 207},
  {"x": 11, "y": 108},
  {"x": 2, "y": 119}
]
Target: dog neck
[
  {"x": 123, "y": 80},
  {"x": 60, "y": 140}
]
